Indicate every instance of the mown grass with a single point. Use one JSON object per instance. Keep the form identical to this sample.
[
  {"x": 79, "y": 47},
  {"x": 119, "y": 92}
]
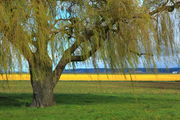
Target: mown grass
[{"x": 94, "y": 101}]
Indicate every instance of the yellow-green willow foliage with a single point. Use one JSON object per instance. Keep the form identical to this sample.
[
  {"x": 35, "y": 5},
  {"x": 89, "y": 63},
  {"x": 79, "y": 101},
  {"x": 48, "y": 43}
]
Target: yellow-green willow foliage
[
  {"x": 49, "y": 34},
  {"x": 119, "y": 31}
]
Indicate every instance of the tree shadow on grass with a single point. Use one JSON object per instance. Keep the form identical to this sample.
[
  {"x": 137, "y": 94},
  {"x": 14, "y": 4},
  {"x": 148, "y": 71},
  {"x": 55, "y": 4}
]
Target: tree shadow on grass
[
  {"x": 88, "y": 99},
  {"x": 85, "y": 99},
  {"x": 20, "y": 100},
  {"x": 14, "y": 100}
]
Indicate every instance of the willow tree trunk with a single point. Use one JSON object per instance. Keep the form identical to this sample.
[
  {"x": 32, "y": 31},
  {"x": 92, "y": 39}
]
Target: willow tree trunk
[{"x": 42, "y": 85}]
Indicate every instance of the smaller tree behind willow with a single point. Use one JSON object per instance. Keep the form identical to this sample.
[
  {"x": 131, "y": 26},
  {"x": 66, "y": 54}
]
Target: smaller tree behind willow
[{"x": 49, "y": 34}]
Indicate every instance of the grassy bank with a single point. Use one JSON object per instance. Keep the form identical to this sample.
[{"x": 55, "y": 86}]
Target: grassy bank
[{"x": 94, "y": 101}]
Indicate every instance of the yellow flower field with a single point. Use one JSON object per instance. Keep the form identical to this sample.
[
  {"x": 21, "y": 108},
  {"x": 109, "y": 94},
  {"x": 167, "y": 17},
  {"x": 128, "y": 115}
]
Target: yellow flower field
[{"x": 102, "y": 77}]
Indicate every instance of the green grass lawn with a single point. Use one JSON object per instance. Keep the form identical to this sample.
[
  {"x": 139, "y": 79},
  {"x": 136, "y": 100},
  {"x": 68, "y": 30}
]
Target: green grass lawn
[{"x": 94, "y": 101}]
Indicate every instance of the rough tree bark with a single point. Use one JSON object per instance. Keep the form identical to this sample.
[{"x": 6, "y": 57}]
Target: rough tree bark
[
  {"x": 43, "y": 82},
  {"x": 42, "y": 87},
  {"x": 42, "y": 94}
]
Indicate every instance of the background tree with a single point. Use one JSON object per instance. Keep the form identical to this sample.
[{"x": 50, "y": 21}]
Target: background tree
[{"x": 49, "y": 34}]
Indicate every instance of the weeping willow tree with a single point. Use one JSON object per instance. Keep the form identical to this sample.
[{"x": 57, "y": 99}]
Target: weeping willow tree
[{"x": 49, "y": 34}]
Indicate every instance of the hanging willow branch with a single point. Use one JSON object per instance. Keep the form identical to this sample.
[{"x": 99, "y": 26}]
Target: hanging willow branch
[{"x": 45, "y": 29}]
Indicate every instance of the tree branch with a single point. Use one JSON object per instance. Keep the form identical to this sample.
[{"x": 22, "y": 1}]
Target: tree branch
[
  {"x": 84, "y": 57},
  {"x": 168, "y": 8},
  {"x": 65, "y": 59},
  {"x": 140, "y": 54}
]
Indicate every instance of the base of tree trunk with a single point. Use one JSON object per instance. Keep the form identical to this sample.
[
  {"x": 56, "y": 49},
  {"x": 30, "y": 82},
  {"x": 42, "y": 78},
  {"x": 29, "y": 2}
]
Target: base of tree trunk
[
  {"x": 42, "y": 94},
  {"x": 42, "y": 85},
  {"x": 41, "y": 105},
  {"x": 42, "y": 101}
]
